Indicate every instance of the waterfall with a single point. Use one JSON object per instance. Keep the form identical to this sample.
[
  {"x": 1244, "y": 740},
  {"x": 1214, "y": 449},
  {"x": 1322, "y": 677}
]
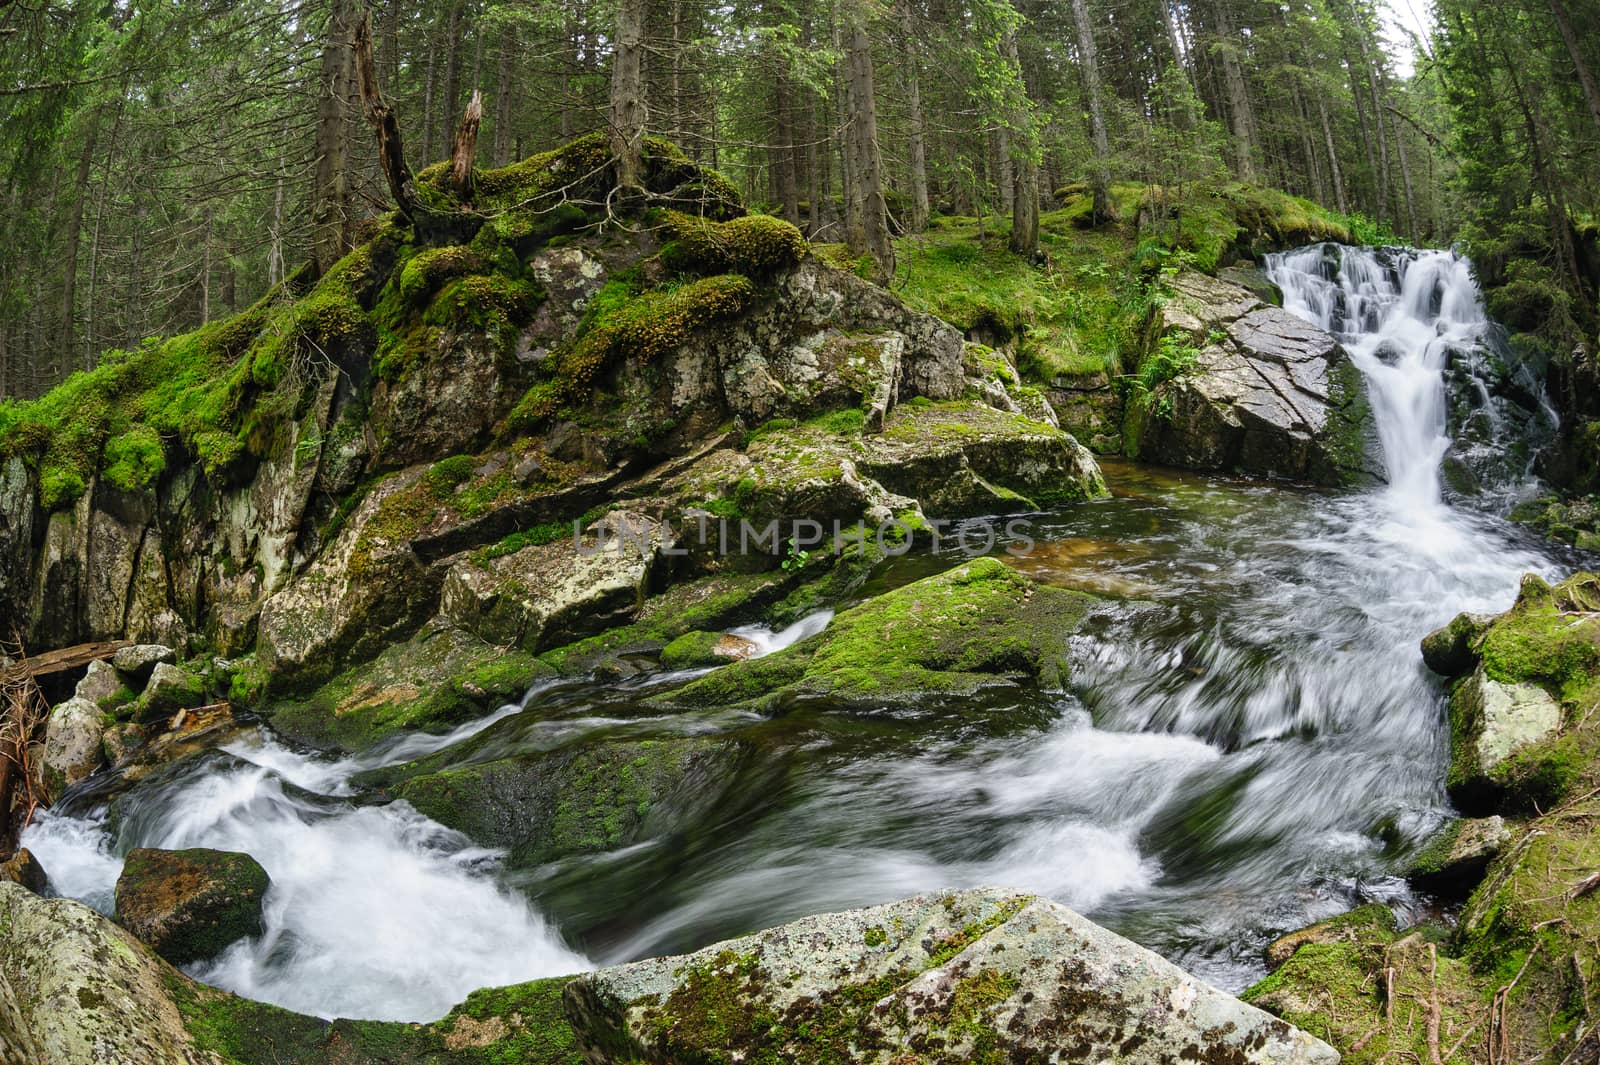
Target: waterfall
[{"x": 1448, "y": 393}]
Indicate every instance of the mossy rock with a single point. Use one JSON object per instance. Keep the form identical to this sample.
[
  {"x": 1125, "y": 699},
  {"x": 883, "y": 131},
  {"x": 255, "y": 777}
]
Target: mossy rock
[
  {"x": 189, "y": 905},
  {"x": 439, "y": 678},
  {"x": 695, "y": 649},
  {"x": 586, "y": 799},
  {"x": 978, "y": 624}
]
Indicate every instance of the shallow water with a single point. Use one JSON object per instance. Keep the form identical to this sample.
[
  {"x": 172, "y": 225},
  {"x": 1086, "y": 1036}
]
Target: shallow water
[{"x": 1250, "y": 742}]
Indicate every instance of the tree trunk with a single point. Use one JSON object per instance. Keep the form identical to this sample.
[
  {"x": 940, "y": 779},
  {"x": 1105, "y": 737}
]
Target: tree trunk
[
  {"x": 848, "y": 186},
  {"x": 428, "y": 82},
  {"x": 1333, "y": 155},
  {"x": 1405, "y": 177},
  {"x": 452, "y": 64},
  {"x": 1024, "y": 166},
  {"x": 68, "y": 338},
  {"x": 628, "y": 110},
  {"x": 1591, "y": 91},
  {"x": 875, "y": 238},
  {"x": 1100, "y": 178},
  {"x": 1240, "y": 116},
  {"x": 505, "y": 97},
  {"x": 917, "y": 147},
  {"x": 782, "y": 154},
  {"x": 331, "y": 194},
  {"x": 466, "y": 147},
  {"x": 1382, "y": 127}
]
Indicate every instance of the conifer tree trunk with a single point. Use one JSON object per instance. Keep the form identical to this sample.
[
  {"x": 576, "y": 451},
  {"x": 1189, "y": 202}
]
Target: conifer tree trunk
[
  {"x": 628, "y": 110},
  {"x": 917, "y": 142},
  {"x": 1333, "y": 156},
  {"x": 782, "y": 155},
  {"x": 1591, "y": 91},
  {"x": 1240, "y": 116},
  {"x": 68, "y": 339},
  {"x": 452, "y": 65},
  {"x": 331, "y": 193},
  {"x": 1024, "y": 168},
  {"x": 863, "y": 134},
  {"x": 505, "y": 97},
  {"x": 1100, "y": 177}
]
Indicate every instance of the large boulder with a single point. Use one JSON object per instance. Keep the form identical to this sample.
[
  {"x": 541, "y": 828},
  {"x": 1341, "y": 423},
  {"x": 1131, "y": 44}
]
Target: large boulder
[
  {"x": 189, "y": 905},
  {"x": 583, "y": 799},
  {"x": 976, "y": 975},
  {"x": 138, "y": 661},
  {"x": 1268, "y": 393},
  {"x": 977, "y": 625},
  {"x": 72, "y": 740},
  {"x": 547, "y": 595}
]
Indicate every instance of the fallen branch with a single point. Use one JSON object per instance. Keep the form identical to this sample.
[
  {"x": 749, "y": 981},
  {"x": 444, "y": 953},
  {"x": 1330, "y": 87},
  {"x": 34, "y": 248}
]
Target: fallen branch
[{"x": 23, "y": 711}]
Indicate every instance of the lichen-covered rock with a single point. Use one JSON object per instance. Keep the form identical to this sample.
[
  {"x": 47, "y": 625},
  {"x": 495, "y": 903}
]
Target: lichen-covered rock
[
  {"x": 1269, "y": 393},
  {"x": 23, "y": 868},
  {"x": 170, "y": 689},
  {"x": 188, "y": 905},
  {"x": 981, "y": 975},
  {"x": 75, "y": 989},
  {"x": 1454, "y": 859},
  {"x": 584, "y": 799},
  {"x": 547, "y": 595},
  {"x": 1490, "y": 722},
  {"x": 102, "y": 686},
  {"x": 979, "y": 624},
  {"x": 72, "y": 740},
  {"x": 137, "y": 662}
]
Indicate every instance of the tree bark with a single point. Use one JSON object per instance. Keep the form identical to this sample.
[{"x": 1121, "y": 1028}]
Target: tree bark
[
  {"x": 452, "y": 64},
  {"x": 1591, "y": 91},
  {"x": 68, "y": 339},
  {"x": 861, "y": 90},
  {"x": 330, "y": 201},
  {"x": 1240, "y": 116},
  {"x": 629, "y": 112},
  {"x": 1405, "y": 177},
  {"x": 782, "y": 154},
  {"x": 917, "y": 146},
  {"x": 1377, "y": 118},
  {"x": 466, "y": 147},
  {"x": 1024, "y": 166},
  {"x": 1100, "y": 178},
  {"x": 505, "y": 96},
  {"x": 1333, "y": 155}
]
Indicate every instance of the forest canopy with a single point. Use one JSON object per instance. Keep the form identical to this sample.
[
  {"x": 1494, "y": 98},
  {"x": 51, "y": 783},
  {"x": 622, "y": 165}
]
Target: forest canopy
[{"x": 165, "y": 165}]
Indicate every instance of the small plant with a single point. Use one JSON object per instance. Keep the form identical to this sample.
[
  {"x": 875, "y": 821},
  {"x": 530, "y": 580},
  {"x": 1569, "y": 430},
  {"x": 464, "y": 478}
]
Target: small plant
[{"x": 797, "y": 558}]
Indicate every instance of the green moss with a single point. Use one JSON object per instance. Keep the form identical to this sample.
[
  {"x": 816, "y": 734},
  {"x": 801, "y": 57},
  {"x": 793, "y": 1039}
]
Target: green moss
[
  {"x": 953, "y": 632},
  {"x": 135, "y": 459},
  {"x": 250, "y": 682},
  {"x": 692, "y": 649},
  {"x": 755, "y": 245}
]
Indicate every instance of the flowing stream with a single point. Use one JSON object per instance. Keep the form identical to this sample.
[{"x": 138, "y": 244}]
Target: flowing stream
[{"x": 1251, "y": 741}]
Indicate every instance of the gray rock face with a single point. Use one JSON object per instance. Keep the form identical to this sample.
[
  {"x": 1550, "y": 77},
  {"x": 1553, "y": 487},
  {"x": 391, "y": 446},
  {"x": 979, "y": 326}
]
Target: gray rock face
[
  {"x": 1011, "y": 975},
  {"x": 140, "y": 660},
  {"x": 1270, "y": 394},
  {"x": 72, "y": 740},
  {"x": 75, "y": 988},
  {"x": 170, "y": 689},
  {"x": 551, "y": 594},
  {"x": 100, "y": 682},
  {"x": 1492, "y": 721},
  {"x": 1459, "y": 853}
]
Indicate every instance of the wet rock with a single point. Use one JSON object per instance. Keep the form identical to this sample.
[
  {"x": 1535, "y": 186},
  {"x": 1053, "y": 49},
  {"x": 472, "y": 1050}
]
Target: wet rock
[
  {"x": 121, "y": 741},
  {"x": 1255, "y": 280},
  {"x": 136, "y": 663},
  {"x": 189, "y": 905},
  {"x": 977, "y": 625},
  {"x": 1448, "y": 651},
  {"x": 586, "y": 799},
  {"x": 707, "y": 649},
  {"x": 441, "y": 677},
  {"x": 72, "y": 740},
  {"x": 547, "y": 595},
  {"x": 977, "y": 974},
  {"x": 1268, "y": 393},
  {"x": 23, "y": 868},
  {"x": 170, "y": 689},
  {"x": 1491, "y": 722},
  {"x": 1454, "y": 859}
]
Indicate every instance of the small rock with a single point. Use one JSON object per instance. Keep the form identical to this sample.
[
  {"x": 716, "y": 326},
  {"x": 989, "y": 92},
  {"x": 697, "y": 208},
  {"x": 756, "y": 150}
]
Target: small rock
[
  {"x": 527, "y": 469},
  {"x": 99, "y": 683},
  {"x": 1455, "y": 858},
  {"x": 23, "y": 868},
  {"x": 170, "y": 689},
  {"x": 72, "y": 740},
  {"x": 1448, "y": 650},
  {"x": 735, "y": 648},
  {"x": 188, "y": 905},
  {"x": 707, "y": 649},
  {"x": 138, "y": 661}
]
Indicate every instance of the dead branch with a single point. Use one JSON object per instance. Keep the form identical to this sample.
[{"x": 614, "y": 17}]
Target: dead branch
[
  {"x": 466, "y": 147},
  {"x": 23, "y": 712}
]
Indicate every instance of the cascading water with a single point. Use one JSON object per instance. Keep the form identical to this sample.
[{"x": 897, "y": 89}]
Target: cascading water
[
  {"x": 1407, "y": 316},
  {"x": 1250, "y": 742}
]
